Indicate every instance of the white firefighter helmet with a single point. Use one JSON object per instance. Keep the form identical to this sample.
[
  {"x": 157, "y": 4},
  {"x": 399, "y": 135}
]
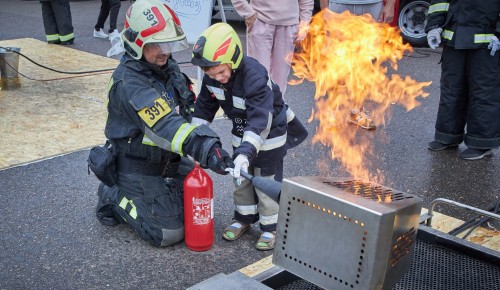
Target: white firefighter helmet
[{"x": 150, "y": 21}]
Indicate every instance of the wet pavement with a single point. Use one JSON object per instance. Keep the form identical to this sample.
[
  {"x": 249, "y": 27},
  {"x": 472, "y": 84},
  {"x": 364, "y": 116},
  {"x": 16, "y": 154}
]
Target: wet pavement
[{"x": 50, "y": 238}]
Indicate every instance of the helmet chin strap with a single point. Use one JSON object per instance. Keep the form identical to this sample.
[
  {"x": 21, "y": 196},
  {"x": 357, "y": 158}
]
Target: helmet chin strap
[{"x": 130, "y": 51}]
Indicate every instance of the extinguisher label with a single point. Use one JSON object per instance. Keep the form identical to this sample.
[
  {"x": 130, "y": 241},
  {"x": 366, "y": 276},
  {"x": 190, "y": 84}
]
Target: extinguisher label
[{"x": 202, "y": 210}]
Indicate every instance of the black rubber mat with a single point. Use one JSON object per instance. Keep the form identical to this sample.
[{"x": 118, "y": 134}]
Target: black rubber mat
[{"x": 436, "y": 268}]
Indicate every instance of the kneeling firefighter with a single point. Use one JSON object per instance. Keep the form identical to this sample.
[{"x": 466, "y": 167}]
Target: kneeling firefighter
[{"x": 149, "y": 132}]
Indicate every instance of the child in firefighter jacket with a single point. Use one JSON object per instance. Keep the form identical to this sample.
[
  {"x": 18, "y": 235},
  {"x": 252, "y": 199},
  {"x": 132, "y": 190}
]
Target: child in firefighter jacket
[{"x": 264, "y": 128}]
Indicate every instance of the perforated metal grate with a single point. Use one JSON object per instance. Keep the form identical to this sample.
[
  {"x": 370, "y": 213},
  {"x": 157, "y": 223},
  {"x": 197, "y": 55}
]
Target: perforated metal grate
[
  {"x": 437, "y": 268},
  {"x": 300, "y": 285},
  {"x": 370, "y": 190},
  {"x": 402, "y": 247}
]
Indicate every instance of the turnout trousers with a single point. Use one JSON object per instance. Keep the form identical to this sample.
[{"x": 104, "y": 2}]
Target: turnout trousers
[
  {"x": 252, "y": 205},
  {"x": 469, "y": 105},
  {"x": 57, "y": 20}
]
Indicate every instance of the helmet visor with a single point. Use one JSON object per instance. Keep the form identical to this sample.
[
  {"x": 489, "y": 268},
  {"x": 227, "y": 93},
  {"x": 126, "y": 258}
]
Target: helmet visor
[{"x": 173, "y": 46}]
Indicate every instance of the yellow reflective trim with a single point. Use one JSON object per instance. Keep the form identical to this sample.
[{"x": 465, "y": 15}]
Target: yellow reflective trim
[
  {"x": 110, "y": 84},
  {"x": 180, "y": 136},
  {"x": 52, "y": 37},
  {"x": 447, "y": 34},
  {"x": 123, "y": 203},
  {"x": 133, "y": 213},
  {"x": 439, "y": 7},
  {"x": 482, "y": 38},
  {"x": 66, "y": 37},
  {"x": 147, "y": 141},
  {"x": 151, "y": 115}
]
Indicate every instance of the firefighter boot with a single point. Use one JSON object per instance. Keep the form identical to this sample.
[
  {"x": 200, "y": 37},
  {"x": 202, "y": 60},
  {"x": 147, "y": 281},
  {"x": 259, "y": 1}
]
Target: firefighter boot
[{"x": 104, "y": 209}]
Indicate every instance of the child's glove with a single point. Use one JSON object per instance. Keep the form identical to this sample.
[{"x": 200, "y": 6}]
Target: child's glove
[
  {"x": 240, "y": 163},
  {"x": 434, "y": 37}
]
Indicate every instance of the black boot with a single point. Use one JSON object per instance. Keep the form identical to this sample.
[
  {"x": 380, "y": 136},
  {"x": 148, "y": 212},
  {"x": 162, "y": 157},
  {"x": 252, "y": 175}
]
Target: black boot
[
  {"x": 68, "y": 42},
  {"x": 104, "y": 209}
]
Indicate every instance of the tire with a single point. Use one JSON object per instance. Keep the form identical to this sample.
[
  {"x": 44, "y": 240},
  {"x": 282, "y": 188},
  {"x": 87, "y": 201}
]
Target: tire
[{"x": 412, "y": 20}]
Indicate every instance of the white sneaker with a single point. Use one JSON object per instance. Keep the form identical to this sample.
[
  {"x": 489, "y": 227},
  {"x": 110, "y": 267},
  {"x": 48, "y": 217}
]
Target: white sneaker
[
  {"x": 100, "y": 34},
  {"x": 114, "y": 34}
]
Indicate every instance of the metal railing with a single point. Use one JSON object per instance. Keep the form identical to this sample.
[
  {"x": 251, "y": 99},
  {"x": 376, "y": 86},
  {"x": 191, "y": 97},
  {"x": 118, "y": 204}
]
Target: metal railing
[{"x": 454, "y": 203}]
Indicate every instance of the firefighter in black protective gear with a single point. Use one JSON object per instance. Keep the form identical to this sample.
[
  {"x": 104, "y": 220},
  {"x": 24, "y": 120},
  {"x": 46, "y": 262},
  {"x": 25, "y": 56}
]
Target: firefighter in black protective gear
[
  {"x": 149, "y": 109},
  {"x": 470, "y": 75},
  {"x": 264, "y": 128},
  {"x": 57, "y": 21}
]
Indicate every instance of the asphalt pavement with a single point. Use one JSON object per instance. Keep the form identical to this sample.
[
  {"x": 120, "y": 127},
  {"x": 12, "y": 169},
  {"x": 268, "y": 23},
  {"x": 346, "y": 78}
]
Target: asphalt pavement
[{"x": 50, "y": 238}]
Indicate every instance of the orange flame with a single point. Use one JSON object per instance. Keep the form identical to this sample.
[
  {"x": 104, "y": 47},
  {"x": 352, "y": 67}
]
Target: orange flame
[{"x": 348, "y": 58}]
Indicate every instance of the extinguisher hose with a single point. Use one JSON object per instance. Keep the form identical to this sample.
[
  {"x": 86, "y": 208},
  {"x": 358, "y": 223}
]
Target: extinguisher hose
[{"x": 271, "y": 188}]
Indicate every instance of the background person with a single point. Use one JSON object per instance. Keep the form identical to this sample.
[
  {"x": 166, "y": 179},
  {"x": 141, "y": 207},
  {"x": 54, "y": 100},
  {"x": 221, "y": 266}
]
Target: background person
[
  {"x": 273, "y": 27},
  {"x": 470, "y": 75},
  {"x": 241, "y": 86},
  {"x": 149, "y": 105},
  {"x": 109, "y": 8},
  {"x": 57, "y": 21}
]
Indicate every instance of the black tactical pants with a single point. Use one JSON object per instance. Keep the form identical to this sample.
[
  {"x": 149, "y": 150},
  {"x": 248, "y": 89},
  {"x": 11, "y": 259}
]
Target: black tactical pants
[{"x": 152, "y": 205}]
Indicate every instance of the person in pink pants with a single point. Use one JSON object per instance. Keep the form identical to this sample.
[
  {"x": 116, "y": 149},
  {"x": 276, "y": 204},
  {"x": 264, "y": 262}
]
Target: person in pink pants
[{"x": 272, "y": 30}]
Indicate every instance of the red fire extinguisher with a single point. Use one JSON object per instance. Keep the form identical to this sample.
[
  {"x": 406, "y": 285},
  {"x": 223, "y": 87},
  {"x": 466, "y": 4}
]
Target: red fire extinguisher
[{"x": 198, "y": 210}]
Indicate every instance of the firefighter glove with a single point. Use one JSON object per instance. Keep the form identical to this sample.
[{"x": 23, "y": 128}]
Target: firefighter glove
[
  {"x": 494, "y": 45},
  {"x": 434, "y": 37},
  {"x": 219, "y": 160}
]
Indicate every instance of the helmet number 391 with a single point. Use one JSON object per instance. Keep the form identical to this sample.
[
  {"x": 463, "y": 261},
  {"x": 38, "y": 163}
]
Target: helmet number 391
[
  {"x": 151, "y": 17},
  {"x": 157, "y": 21}
]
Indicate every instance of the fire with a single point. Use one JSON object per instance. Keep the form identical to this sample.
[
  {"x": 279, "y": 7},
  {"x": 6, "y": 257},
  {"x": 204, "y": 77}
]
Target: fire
[{"x": 348, "y": 58}]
